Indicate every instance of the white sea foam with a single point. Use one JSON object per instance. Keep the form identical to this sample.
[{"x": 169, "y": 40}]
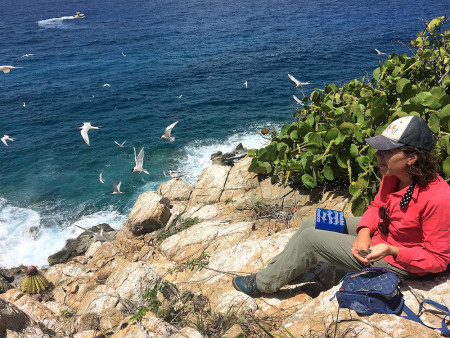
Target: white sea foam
[
  {"x": 54, "y": 22},
  {"x": 198, "y": 154},
  {"x": 24, "y": 240}
]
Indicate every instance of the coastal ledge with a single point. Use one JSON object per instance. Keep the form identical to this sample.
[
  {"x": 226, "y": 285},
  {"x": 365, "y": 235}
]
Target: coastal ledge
[{"x": 197, "y": 238}]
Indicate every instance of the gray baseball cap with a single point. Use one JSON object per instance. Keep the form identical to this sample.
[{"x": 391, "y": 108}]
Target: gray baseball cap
[{"x": 405, "y": 131}]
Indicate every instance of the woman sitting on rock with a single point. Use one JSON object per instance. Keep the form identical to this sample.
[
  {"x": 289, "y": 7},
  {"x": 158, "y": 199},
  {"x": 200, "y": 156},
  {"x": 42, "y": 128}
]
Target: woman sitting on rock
[{"x": 405, "y": 229}]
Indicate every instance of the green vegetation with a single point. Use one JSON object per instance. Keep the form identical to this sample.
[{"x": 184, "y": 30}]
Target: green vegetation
[
  {"x": 153, "y": 304},
  {"x": 176, "y": 227},
  {"x": 326, "y": 142}
]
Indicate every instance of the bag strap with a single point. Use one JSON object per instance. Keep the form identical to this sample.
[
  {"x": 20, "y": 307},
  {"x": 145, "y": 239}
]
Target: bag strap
[{"x": 415, "y": 317}]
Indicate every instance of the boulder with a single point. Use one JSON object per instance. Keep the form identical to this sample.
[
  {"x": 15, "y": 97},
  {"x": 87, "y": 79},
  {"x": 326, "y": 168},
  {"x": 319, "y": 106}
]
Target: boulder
[
  {"x": 150, "y": 212},
  {"x": 78, "y": 246},
  {"x": 210, "y": 185},
  {"x": 175, "y": 190}
]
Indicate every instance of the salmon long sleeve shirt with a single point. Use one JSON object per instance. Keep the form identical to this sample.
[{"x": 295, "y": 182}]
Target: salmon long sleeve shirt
[{"x": 421, "y": 230}]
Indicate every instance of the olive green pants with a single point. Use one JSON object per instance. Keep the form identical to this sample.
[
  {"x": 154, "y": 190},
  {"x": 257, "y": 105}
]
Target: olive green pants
[{"x": 309, "y": 247}]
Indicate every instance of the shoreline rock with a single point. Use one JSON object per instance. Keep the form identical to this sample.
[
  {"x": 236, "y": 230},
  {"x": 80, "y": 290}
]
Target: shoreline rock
[{"x": 179, "y": 249}]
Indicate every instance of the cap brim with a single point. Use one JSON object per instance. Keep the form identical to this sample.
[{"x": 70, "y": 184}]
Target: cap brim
[{"x": 381, "y": 142}]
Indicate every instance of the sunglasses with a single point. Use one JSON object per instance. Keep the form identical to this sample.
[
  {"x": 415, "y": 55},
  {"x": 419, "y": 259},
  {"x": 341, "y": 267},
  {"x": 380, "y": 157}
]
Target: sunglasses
[{"x": 384, "y": 225}]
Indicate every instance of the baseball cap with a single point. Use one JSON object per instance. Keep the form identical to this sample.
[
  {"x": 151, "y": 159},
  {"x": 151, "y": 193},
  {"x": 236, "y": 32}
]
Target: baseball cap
[{"x": 405, "y": 131}]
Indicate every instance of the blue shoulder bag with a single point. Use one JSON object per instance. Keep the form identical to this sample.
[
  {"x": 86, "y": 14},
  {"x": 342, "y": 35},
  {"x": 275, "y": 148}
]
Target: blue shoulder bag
[{"x": 376, "y": 290}]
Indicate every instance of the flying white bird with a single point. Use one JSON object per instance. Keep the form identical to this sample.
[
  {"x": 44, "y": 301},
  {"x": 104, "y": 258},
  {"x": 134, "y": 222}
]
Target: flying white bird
[
  {"x": 139, "y": 162},
  {"x": 173, "y": 173},
  {"x": 123, "y": 54},
  {"x": 116, "y": 188},
  {"x": 100, "y": 177},
  {"x": 96, "y": 236},
  {"x": 24, "y": 105},
  {"x": 120, "y": 144},
  {"x": 7, "y": 69},
  {"x": 180, "y": 96},
  {"x": 297, "y": 100},
  {"x": 246, "y": 84},
  {"x": 167, "y": 132},
  {"x": 379, "y": 53},
  {"x": 106, "y": 85},
  {"x": 26, "y": 55},
  {"x": 6, "y": 138},
  {"x": 84, "y": 131},
  {"x": 297, "y": 82}
]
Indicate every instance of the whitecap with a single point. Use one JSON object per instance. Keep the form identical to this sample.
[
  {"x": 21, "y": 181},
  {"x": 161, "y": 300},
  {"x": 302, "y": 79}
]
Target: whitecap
[
  {"x": 25, "y": 240},
  {"x": 197, "y": 155}
]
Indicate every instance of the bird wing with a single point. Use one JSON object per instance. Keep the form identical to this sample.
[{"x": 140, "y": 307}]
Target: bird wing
[
  {"x": 101, "y": 178},
  {"x": 296, "y": 99},
  {"x": 116, "y": 143},
  {"x": 376, "y": 50},
  {"x": 4, "y": 141},
  {"x": 140, "y": 159},
  {"x": 84, "y": 134},
  {"x": 5, "y": 70},
  {"x": 116, "y": 187},
  {"x": 123, "y": 143},
  {"x": 169, "y": 129},
  {"x": 297, "y": 82},
  {"x": 79, "y": 226}
]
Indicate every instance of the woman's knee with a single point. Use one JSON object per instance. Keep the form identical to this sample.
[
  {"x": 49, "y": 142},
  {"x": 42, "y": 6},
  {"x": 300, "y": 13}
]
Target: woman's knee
[{"x": 308, "y": 223}]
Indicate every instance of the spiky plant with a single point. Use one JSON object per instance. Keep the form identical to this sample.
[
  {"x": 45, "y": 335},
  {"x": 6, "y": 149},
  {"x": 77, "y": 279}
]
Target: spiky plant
[{"x": 34, "y": 282}]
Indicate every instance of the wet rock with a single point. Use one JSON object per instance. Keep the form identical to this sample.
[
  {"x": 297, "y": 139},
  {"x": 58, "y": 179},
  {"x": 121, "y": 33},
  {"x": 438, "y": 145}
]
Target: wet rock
[
  {"x": 230, "y": 158},
  {"x": 78, "y": 246}
]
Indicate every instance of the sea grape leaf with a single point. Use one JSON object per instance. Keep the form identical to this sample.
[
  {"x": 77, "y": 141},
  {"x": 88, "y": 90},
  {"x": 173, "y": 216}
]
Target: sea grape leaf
[
  {"x": 401, "y": 84},
  {"x": 308, "y": 180},
  {"x": 328, "y": 172}
]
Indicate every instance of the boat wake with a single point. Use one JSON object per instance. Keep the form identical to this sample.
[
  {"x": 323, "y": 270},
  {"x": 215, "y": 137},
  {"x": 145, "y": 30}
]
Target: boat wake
[{"x": 55, "y": 22}]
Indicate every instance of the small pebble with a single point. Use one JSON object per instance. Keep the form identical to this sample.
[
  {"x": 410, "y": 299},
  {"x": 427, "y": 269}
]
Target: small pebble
[{"x": 364, "y": 253}]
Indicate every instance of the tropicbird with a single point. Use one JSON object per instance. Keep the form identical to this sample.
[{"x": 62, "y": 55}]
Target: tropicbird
[
  {"x": 121, "y": 145},
  {"x": 173, "y": 173},
  {"x": 246, "y": 84},
  {"x": 139, "y": 162},
  {"x": 6, "y": 138},
  {"x": 97, "y": 236},
  {"x": 26, "y": 55},
  {"x": 166, "y": 134},
  {"x": 106, "y": 85},
  {"x": 297, "y": 82},
  {"x": 123, "y": 54},
  {"x": 180, "y": 96},
  {"x": 7, "y": 69},
  {"x": 297, "y": 100},
  {"x": 379, "y": 53},
  {"x": 116, "y": 188},
  {"x": 100, "y": 177},
  {"x": 24, "y": 105},
  {"x": 84, "y": 131}
]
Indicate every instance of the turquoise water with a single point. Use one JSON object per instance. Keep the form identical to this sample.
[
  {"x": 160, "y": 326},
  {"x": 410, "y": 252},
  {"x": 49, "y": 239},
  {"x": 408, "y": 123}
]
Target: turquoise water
[{"x": 152, "y": 52}]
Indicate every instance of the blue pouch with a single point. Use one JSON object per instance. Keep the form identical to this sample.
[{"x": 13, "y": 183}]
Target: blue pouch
[{"x": 373, "y": 290}]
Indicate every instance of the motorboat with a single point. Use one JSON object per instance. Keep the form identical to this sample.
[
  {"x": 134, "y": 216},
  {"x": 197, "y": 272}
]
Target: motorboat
[{"x": 78, "y": 15}]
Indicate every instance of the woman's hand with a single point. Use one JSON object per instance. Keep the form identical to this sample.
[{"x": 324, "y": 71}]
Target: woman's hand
[
  {"x": 362, "y": 242},
  {"x": 378, "y": 252}
]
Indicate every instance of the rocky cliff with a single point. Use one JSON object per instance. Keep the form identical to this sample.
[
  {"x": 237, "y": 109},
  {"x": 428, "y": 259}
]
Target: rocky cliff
[{"x": 168, "y": 271}]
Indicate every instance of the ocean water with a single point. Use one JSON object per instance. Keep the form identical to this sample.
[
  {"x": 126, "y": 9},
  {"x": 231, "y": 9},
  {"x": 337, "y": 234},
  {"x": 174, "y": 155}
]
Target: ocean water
[{"x": 151, "y": 53}]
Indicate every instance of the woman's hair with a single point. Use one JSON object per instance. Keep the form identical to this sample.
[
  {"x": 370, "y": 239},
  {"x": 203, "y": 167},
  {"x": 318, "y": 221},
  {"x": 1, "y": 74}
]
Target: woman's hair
[{"x": 425, "y": 169}]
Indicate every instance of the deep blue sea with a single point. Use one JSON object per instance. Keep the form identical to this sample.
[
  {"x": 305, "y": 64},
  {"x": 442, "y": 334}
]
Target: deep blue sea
[{"x": 165, "y": 61}]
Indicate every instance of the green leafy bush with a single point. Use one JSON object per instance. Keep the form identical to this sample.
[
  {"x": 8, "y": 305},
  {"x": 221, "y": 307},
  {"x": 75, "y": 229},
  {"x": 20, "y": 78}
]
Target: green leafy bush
[{"x": 326, "y": 143}]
